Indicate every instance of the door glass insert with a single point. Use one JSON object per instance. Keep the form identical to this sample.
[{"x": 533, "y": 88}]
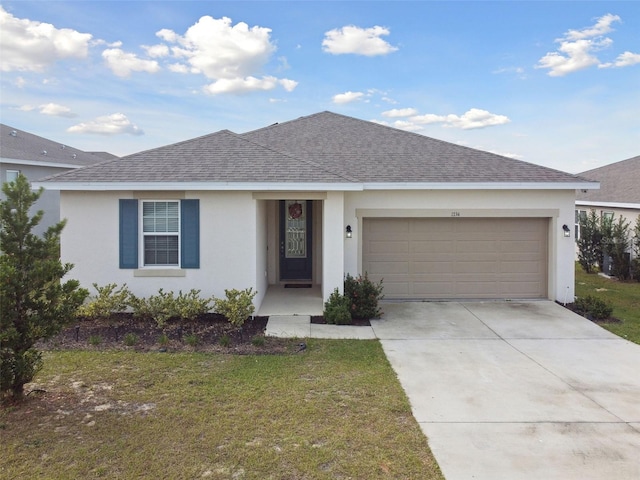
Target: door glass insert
[{"x": 296, "y": 229}]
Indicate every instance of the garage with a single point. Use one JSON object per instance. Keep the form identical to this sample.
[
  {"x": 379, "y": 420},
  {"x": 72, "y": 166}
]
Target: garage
[{"x": 443, "y": 258}]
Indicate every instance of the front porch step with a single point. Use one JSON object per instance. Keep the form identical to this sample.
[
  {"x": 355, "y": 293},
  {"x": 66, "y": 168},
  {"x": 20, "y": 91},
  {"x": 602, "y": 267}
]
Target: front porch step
[{"x": 300, "y": 326}]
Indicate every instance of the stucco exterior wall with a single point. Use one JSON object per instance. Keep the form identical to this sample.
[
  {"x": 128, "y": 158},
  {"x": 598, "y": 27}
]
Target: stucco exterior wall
[
  {"x": 556, "y": 205},
  {"x": 228, "y": 239}
]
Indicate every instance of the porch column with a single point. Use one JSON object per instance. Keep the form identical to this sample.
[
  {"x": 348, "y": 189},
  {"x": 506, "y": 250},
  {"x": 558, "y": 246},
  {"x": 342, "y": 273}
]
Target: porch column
[{"x": 332, "y": 243}]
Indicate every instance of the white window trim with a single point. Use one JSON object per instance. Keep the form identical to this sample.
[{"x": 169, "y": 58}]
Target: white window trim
[
  {"x": 142, "y": 234},
  {"x": 6, "y": 174}
]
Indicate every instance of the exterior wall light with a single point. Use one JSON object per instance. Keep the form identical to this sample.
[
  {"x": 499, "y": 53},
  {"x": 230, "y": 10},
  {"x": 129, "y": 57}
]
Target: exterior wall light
[
  {"x": 566, "y": 230},
  {"x": 349, "y": 232}
]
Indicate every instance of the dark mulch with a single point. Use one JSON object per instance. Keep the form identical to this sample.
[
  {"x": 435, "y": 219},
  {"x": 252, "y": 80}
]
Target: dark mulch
[
  {"x": 211, "y": 332},
  {"x": 574, "y": 308},
  {"x": 358, "y": 322}
]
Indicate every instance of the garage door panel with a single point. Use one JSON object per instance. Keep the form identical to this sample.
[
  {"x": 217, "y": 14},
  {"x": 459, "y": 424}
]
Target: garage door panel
[{"x": 457, "y": 258}]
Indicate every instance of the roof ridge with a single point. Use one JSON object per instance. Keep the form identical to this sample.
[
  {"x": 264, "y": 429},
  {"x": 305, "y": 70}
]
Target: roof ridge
[{"x": 308, "y": 162}]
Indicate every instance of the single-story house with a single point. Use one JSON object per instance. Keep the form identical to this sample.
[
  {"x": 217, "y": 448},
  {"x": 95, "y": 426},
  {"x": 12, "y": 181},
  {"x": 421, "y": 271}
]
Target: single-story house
[
  {"x": 619, "y": 193},
  {"x": 37, "y": 157},
  {"x": 313, "y": 199}
]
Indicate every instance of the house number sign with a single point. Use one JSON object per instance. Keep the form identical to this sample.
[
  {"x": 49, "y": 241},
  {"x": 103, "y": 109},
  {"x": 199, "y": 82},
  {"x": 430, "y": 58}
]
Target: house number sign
[{"x": 455, "y": 214}]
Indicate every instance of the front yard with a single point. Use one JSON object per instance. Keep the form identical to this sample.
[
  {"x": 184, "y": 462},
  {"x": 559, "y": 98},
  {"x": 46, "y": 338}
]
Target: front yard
[
  {"x": 335, "y": 410},
  {"x": 625, "y": 298}
]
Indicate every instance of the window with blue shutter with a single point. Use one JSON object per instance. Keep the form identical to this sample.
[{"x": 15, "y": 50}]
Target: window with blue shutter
[{"x": 170, "y": 233}]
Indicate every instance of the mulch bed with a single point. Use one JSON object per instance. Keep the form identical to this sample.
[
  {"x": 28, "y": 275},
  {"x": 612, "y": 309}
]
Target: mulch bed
[
  {"x": 211, "y": 332},
  {"x": 574, "y": 309}
]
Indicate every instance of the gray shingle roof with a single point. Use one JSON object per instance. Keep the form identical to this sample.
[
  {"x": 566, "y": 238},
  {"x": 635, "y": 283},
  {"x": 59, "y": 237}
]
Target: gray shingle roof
[
  {"x": 320, "y": 148},
  {"x": 27, "y": 146},
  {"x": 619, "y": 182}
]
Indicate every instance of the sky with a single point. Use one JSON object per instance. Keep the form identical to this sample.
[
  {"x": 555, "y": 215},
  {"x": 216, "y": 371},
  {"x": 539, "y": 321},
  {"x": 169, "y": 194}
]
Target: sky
[{"x": 552, "y": 83}]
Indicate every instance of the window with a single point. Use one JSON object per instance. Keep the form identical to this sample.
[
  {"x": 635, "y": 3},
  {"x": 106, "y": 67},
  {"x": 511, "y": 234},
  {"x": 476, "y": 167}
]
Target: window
[
  {"x": 12, "y": 175},
  {"x": 161, "y": 233},
  {"x": 169, "y": 237},
  {"x": 607, "y": 216}
]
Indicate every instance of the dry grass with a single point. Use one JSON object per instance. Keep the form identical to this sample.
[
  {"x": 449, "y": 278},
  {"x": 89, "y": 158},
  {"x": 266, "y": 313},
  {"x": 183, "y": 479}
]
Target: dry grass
[{"x": 334, "y": 411}]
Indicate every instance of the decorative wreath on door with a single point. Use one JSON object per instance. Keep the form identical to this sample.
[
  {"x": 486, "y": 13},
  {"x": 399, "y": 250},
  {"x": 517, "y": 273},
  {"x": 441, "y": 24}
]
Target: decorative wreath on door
[{"x": 295, "y": 210}]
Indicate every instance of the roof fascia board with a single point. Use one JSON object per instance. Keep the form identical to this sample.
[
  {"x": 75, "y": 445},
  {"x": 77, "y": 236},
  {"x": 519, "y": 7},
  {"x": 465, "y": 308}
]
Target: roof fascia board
[
  {"x": 633, "y": 206},
  {"x": 484, "y": 186},
  {"x": 37, "y": 163},
  {"x": 351, "y": 187},
  {"x": 203, "y": 186}
]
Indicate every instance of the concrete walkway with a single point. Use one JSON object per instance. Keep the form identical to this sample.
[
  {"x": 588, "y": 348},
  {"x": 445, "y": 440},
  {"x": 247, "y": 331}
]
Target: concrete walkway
[{"x": 509, "y": 390}]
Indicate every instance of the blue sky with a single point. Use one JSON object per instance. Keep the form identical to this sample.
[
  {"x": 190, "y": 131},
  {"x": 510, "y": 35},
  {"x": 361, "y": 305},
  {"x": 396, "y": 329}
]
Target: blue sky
[{"x": 551, "y": 83}]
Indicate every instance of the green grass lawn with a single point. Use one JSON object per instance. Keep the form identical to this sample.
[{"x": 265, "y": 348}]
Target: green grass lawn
[
  {"x": 334, "y": 411},
  {"x": 624, "y": 296}
]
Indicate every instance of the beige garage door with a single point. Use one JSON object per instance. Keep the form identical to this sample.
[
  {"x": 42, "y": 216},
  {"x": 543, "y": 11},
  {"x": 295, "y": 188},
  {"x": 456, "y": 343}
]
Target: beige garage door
[{"x": 457, "y": 257}]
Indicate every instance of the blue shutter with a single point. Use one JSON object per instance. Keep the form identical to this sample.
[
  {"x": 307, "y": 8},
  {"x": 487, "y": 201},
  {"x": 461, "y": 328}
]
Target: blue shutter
[
  {"x": 190, "y": 233},
  {"x": 128, "y": 233}
]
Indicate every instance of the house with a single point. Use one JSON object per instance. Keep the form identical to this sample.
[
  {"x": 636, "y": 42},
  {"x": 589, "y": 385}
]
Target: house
[
  {"x": 307, "y": 201},
  {"x": 619, "y": 193},
  {"x": 36, "y": 157}
]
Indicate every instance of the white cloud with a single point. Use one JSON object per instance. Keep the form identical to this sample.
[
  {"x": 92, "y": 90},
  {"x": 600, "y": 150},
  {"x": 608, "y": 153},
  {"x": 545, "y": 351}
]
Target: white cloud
[
  {"x": 473, "y": 118},
  {"x": 248, "y": 84},
  {"x": 233, "y": 56},
  {"x": 114, "y": 124},
  {"x": 122, "y": 63},
  {"x": 347, "y": 97},
  {"x": 29, "y": 45},
  {"x": 360, "y": 41},
  {"x": 577, "y": 49},
  {"x": 625, "y": 59},
  {"x": 26, "y": 108},
  {"x": 156, "y": 51},
  {"x": 20, "y": 82},
  {"x": 400, "y": 112},
  {"x": 56, "y": 110}
]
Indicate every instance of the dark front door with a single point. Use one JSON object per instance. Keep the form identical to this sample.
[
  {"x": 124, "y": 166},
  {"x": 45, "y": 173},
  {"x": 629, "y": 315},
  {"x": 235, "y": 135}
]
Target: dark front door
[{"x": 295, "y": 240}]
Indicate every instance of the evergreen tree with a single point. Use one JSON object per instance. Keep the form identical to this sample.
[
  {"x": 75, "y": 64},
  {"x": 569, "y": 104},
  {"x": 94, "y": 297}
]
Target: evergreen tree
[
  {"x": 618, "y": 249},
  {"x": 590, "y": 242},
  {"x": 34, "y": 303}
]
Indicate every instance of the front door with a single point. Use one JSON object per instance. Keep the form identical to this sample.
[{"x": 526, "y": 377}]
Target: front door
[{"x": 295, "y": 240}]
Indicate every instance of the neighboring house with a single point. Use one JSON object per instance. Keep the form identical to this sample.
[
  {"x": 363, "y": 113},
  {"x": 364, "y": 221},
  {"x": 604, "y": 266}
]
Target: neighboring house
[
  {"x": 313, "y": 199},
  {"x": 36, "y": 157},
  {"x": 619, "y": 193}
]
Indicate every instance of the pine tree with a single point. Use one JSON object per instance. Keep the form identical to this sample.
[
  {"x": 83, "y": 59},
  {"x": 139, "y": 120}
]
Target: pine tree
[{"x": 34, "y": 303}]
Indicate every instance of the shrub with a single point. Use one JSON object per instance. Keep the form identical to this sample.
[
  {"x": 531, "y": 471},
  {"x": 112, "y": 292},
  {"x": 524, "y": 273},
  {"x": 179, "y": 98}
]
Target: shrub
[
  {"x": 109, "y": 300},
  {"x": 160, "y": 307},
  {"x": 130, "y": 339},
  {"x": 191, "y": 305},
  {"x": 258, "y": 341},
  {"x": 95, "y": 340},
  {"x": 237, "y": 306},
  {"x": 618, "y": 248},
  {"x": 163, "y": 340},
  {"x": 336, "y": 309},
  {"x": 192, "y": 340},
  {"x": 225, "y": 341},
  {"x": 593, "y": 307},
  {"x": 364, "y": 296}
]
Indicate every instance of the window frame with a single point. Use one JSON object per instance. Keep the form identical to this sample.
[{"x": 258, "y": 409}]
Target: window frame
[
  {"x": 15, "y": 174},
  {"x": 579, "y": 215},
  {"x": 142, "y": 235}
]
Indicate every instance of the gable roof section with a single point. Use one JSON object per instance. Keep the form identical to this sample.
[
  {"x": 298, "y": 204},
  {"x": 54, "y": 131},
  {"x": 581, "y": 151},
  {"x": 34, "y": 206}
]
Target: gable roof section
[
  {"x": 619, "y": 183},
  {"x": 26, "y": 148},
  {"x": 221, "y": 157},
  {"x": 325, "y": 150},
  {"x": 376, "y": 153}
]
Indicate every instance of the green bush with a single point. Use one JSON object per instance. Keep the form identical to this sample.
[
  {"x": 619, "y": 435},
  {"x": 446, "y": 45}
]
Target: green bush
[
  {"x": 192, "y": 340},
  {"x": 165, "y": 305},
  {"x": 109, "y": 300},
  {"x": 336, "y": 309},
  {"x": 593, "y": 307},
  {"x": 130, "y": 339},
  {"x": 237, "y": 306},
  {"x": 189, "y": 306},
  {"x": 258, "y": 341},
  {"x": 364, "y": 296},
  {"x": 225, "y": 341},
  {"x": 95, "y": 340}
]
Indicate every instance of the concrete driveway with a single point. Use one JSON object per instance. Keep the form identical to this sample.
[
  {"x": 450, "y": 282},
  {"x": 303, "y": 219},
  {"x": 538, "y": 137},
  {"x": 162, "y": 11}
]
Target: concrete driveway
[{"x": 517, "y": 390}]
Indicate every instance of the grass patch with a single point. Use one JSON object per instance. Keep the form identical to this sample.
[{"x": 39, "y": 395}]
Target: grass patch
[
  {"x": 624, "y": 296},
  {"x": 335, "y": 411}
]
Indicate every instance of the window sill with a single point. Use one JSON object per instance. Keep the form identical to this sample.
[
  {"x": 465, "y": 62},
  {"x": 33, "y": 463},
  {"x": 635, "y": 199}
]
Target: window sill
[{"x": 160, "y": 272}]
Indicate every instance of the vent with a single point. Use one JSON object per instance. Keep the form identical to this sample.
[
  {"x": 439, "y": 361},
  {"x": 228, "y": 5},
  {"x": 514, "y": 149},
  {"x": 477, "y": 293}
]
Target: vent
[
  {"x": 13, "y": 133},
  {"x": 44, "y": 152}
]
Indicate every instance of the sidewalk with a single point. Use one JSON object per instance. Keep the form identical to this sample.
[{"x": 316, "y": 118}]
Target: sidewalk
[{"x": 300, "y": 326}]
